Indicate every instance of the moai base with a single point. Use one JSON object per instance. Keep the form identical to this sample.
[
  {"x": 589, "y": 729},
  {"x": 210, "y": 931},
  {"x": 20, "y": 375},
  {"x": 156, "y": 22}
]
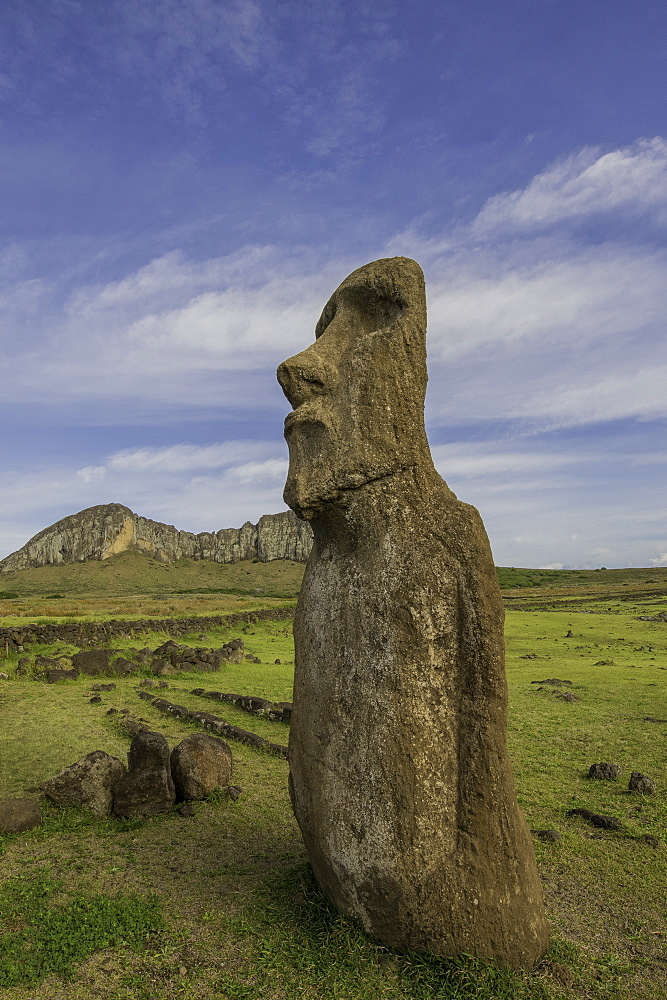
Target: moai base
[{"x": 400, "y": 779}]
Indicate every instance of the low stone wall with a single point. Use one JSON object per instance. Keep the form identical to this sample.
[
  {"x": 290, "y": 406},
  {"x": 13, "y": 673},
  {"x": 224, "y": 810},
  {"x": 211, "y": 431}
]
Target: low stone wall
[
  {"x": 213, "y": 724},
  {"x": 83, "y": 634},
  {"x": 273, "y": 711}
]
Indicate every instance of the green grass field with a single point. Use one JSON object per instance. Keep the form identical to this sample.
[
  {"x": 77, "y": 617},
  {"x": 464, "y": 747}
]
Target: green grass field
[{"x": 223, "y": 904}]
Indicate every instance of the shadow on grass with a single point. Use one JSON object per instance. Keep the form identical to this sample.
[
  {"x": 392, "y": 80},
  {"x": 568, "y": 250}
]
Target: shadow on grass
[{"x": 304, "y": 943}]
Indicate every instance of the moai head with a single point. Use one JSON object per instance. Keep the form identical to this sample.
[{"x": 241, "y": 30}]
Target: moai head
[{"x": 358, "y": 392}]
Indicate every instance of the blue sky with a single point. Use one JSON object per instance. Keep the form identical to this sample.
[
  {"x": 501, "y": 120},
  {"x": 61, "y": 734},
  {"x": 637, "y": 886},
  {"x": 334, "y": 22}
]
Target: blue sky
[{"x": 184, "y": 182}]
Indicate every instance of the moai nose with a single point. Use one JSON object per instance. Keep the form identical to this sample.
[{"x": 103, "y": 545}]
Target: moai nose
[{"x": 306, "y": 375}]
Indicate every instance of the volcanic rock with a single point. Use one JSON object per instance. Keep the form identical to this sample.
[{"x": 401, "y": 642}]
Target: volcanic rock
[{"x": 400, "y": 778}]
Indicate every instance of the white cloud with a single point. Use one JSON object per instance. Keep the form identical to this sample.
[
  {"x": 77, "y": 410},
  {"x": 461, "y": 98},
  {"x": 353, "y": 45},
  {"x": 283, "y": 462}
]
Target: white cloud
[
  {"x": 592, "y": 295},
  {"x": 184, "y": 457},
  {"x": 660, "y": 560},
  {"x": 630, "y": 180},
  {"x": 92, "y": 473},
  {"x": 488, "y": 459},
  {"x": 552, "y": 566},
  {"x": 272, "y": 471}
]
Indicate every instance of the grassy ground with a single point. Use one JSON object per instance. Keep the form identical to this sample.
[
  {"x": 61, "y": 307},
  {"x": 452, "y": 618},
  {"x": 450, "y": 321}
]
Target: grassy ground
[{"x": 241, "y": 915}]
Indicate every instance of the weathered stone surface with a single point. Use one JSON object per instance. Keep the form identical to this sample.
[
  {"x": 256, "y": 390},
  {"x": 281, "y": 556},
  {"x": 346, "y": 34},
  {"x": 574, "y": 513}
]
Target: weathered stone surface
[
  {"x": 109, "y": 529},
  {"x": 54, "y": 676},
  {"x": 597, "y": 819},
  {"x": 147, "y": 789},
  {"x": 92, "y": 661},
  {"x": 123, "y": 667},
  {"x": 400, "y": 778},
  {"x": 641, "y": 783},
  {"x": 17, "y": 815},
  {"x": 88, "y": 783},
  {"x": 604, "y": 771},
  {"x": 200, "y": 764},
  {"x": 548, "y": 836}
]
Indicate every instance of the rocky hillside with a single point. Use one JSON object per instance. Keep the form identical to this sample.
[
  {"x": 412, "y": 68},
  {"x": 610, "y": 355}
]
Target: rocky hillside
[{"x": 108, "y": 529}]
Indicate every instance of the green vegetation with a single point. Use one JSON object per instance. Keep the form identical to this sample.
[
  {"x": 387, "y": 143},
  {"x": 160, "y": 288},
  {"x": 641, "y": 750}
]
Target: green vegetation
[
  {"x": 511, "y": 578},
  {"x": 243, "y": 915},
  {"x": 47, "y": 939},
  {"x": 134, "y": 573}
]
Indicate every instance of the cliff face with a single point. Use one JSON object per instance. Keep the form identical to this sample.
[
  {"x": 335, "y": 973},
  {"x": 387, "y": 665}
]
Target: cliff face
[{"x": 104, "y": 531}]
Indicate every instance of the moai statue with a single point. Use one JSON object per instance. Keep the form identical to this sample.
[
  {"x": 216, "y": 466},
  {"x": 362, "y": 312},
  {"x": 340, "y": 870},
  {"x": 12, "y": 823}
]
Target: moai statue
[{"x": 399, "y": 773}]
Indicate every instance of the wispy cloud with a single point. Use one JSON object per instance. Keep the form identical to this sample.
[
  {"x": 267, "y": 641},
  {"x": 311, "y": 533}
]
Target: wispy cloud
[
  {"x": 629, "y": 181},
  {"x": 296, "y": 61}
]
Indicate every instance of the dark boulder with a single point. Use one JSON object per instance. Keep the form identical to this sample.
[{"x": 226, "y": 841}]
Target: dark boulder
[
  {"x": 147, "y": 789},
  {"x": 604, "y": 771},
  {"x": 595, "y": 819},
  {"x": 53, "y": 676},
  {"x": 641, "y": 784},
  {"x": 92, "y": 661}
]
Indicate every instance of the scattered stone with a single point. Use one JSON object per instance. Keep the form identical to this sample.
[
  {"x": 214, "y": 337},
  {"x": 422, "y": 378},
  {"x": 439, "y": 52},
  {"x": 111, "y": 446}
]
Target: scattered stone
[
  {"x": 549, "y": 836},
  {"x": 604, "y": 663},
  {"x": 104, "y": 687},
  {"x": 553, "y": 681},
  {"x": 568, "y": 696},
  {"x": 200, "y": 764},
  {"x": 568, "y": 635},
  {"x": 88, "y": 783},
  {"x": 95, "y": 700},
  {"x": 17, "y": 815},
  {"x": 166, "y": 647},
  {"x": 276, "y": 661},
  {"x": 147, "y": 789},
  {"x": 641, "y": 784},
  {"x": 92, "y": 661},
  {"x": 401, "y": 580},
  {"x": 162, "y": 668},
  {"x": 123, "y": 667},
  {"x": 604, "y": 771},
  {"x": 148, "y": 683},
  {"x": 186, "y": 809},
  {"x": 112, "y": 711},
  {"x": 596, "y": 819},
  {"x": 54, "y": 676},
  {"x": 162, "y": 685},
  {"x": 4, "y": 677},
  {"x": 233, "y": 791}
]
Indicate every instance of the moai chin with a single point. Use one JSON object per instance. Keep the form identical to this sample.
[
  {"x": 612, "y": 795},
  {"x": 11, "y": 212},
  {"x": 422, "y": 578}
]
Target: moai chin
[{"x": 399, "y": 773}]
